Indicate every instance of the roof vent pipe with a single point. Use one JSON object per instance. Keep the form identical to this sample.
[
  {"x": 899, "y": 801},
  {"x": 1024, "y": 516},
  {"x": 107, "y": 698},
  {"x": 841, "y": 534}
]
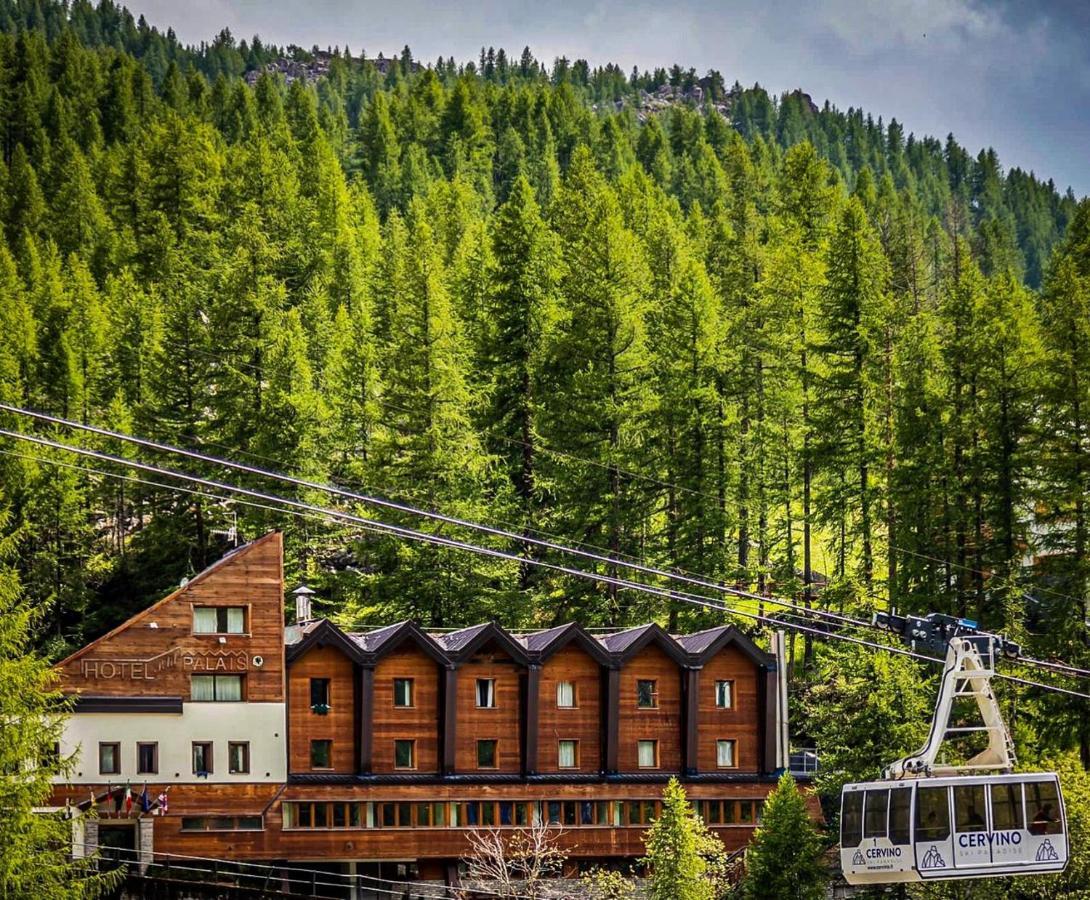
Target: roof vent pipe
[{"x": 302, "y": 595}]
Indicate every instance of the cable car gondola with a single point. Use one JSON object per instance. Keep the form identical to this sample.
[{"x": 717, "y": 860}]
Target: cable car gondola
[{"x": 930, "y": 821}]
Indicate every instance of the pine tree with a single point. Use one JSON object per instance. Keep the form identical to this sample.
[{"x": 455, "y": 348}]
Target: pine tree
[{"x": 784, "y": 860}]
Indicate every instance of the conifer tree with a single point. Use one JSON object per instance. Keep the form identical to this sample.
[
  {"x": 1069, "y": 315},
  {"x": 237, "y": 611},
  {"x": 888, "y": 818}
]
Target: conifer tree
[
  {"x": 518, "y": 323},
  {"x": 784, "y": 860},
  {"x": 679, "y": 848},
  {"x": 429, "y": 450},
  {"x": 35, "y": 861},
  {"x": 598, "y": 390},
  {"x": 853, "y": 314}
]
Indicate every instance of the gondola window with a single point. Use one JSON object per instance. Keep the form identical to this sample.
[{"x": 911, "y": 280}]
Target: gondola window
[
  {"x": 969, "y": 808},
  {"x": 851, "y": 822},
  {"x": 932, "y": 814},
  {"x": 1042, "y": 805},
  {"x": 900, "y": 805},
  {"x": 874, "y": 817},
  {"x": 1007, "y": 807}
]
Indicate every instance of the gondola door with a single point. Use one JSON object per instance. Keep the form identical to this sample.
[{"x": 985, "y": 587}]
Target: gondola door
[
  {"x": 972, "y": 849},
  {"x": 933, "y": 837}
]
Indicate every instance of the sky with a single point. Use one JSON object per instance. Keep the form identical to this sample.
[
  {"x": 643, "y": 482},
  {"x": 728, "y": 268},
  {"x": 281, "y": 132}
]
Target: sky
[{"x": 1011, "y": 74}]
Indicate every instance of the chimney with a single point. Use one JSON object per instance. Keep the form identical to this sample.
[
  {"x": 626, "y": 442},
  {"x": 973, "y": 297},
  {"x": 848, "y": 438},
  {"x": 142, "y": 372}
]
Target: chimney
[{"x": 302, "y": 596}]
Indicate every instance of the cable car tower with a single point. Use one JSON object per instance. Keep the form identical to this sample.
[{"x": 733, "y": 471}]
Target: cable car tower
[{"x": 929, "y": 820}]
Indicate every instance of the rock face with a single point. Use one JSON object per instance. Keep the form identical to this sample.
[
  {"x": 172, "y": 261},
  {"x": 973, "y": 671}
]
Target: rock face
[
  {"x": 314, "y": 68},
  {"x": 648, "y": 103}
]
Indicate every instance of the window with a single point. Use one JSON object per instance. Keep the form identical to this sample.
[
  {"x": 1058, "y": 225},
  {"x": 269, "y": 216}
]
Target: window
[
  {"x": 220, "y": 688},
  {"x": 1007, "y": 807},
  {"x": 900, "y": 801},
  {"x": 321, "y": 754},
  {"x": 932, "y": 814},
  {"x": 219, "y": 620},
  {"x": 565, "y": 694},
  {"x": 647, "y": 754},
  {"x": 646, "y": 697},
  {"x": 874, "y": 814},
  {"x": 724, "y": 694},
  {"x": 968, "y": 807},
  {"x": 202, "y": 757},
  {"x": 147, "y": 759},
  {"x": 404, "y": 754},
  {"x": 403, "y": 692},
  {"x": 1043, "y": 808},
  {"x": 222, "y": 823},
  {"x": 568, "y": 754},
  {"x": 851, "y": 819},
  {"x": 109, "y": 759},
  {"x": 486, "y": 754},
  {"x": 319, "y": 695},
  {"x": 486, "y": 693},
  {"x": 238, "y": 757},
  {"x": 724, "y": 754}
]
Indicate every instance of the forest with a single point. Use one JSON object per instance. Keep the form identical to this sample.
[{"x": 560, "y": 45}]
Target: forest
[{"x": 789, "y": 348}]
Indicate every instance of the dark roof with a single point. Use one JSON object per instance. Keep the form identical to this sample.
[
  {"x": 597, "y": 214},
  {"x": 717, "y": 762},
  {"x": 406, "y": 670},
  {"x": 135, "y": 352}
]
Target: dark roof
[
  {"x": 323, "y": 633},
  {"x": 620, "y": 641},
  {"x": 536, "y": 641},
  {"x": 384, "y": 640},
  {"x": 455, "y": 647},
  {"x": 454, "y": 641},
  {"x": 543, "y": 644},
  {"x": 702, "y": 645},
  {"x": 625, "y": 644},
  {"x": 373, "y": 640}
]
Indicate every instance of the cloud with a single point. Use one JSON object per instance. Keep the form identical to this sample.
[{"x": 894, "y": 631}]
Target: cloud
[{"x": 1003, "y": 73}]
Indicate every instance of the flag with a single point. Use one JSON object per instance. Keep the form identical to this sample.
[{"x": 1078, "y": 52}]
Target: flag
[
  {"x": 163, "y": 803},
  {"x": 128, "y": 799},
  {"x": 145, "y": 800},
  {"x": 94, "y": 804},
  {"x": 119, "y": 798}
]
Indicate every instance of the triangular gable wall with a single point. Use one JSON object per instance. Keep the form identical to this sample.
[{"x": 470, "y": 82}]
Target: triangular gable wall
[{"x": 155, "y": 652}]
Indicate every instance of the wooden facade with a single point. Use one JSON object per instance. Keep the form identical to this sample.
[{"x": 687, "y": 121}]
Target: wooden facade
[
  {"x": 383, "y": 729},
  {"x": 156, "y": 652}
]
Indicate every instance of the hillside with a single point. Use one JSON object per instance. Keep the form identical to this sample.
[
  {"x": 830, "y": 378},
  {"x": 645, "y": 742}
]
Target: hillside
[{"x": 745, "y": 336}]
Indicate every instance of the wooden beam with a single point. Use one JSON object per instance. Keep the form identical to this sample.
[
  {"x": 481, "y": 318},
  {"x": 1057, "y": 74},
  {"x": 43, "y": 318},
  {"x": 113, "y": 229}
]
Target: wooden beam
[
  {"x": 531, "y": 706},
  {"x": 612, "y": 717},
  {"x": 366, "y": 718},
  {"x": 450, "y": 720},
  {"x": 690, "y": 692}
]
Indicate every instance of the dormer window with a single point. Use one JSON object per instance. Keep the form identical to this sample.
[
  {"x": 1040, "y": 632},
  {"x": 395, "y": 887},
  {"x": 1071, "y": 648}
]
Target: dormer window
[{"x": 219, "y": 620}]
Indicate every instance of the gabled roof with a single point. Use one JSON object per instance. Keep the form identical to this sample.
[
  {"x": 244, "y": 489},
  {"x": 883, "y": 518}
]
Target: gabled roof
[
  {"x": 703, "y": 645},
  {"x": 626, "y": 644},
  {"x": 543, "y": 644},
  {"x": 461, "y": 645},
  {"x": 381, "y": 641},
  {"x": 230, "y": 556},
  {"x": 323, "y": 633}
]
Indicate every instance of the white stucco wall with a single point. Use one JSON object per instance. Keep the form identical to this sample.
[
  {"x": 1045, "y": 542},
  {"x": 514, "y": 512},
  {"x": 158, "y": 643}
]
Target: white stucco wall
[{"x": 262, "y": 724}]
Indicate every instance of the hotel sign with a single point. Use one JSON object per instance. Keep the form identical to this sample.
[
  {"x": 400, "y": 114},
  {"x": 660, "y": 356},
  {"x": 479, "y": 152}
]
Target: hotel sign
[{"x": 178, "y": 659}]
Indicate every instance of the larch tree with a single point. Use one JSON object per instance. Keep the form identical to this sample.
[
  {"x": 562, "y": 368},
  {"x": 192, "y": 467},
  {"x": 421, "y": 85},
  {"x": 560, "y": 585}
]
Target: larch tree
[{"x": 598, "y": 392}]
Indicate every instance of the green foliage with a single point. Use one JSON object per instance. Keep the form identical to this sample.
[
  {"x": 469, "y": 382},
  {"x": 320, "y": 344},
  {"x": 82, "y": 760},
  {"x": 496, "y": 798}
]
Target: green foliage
[
  {"x": 35, "y": 861},
  {"x": 785, "y": 858},
  {"x": 864, "y": 710},
  {"x": 680, "y": 850}
]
